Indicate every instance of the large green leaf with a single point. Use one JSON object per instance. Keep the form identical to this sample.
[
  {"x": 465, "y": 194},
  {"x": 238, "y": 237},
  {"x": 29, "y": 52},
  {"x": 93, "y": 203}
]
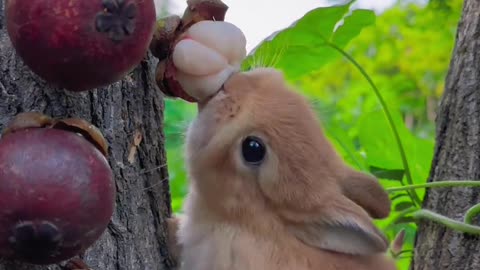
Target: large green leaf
[
  {"x": 352, "y": 26},
  {"x": 305, "y": 46},
  {"x": 345, "y": 147},
  {"x": 378, "y": 142}
]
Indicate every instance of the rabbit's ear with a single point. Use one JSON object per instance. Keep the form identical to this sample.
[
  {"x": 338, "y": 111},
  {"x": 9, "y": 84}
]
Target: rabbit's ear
[
  {"x": 341, "y": 227},
  {"x": 366, "y": 191}
]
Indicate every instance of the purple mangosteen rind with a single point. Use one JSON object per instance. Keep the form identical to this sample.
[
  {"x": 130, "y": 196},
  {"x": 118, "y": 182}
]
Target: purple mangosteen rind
[
  {"x": 166, "y": 30},
  {"x": 58, "y": 193}
]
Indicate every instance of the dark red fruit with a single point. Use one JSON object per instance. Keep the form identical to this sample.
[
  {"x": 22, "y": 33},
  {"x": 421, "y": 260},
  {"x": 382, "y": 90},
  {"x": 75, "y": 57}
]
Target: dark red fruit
[
  {"x": 81, "y": 44},
  {"x": 57, "y": 193},
  {"x": 169, "y": 31}
]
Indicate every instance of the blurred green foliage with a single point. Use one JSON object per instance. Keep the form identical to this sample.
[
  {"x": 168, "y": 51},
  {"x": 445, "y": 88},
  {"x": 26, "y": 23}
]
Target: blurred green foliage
[{"x": 405, "y": 51}]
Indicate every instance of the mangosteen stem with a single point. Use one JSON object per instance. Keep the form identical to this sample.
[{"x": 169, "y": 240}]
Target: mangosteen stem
[{"x": 117, "y": 20}]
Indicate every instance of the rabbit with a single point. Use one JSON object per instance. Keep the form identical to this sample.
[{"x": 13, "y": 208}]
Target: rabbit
[{"x": 268, "y": 190}]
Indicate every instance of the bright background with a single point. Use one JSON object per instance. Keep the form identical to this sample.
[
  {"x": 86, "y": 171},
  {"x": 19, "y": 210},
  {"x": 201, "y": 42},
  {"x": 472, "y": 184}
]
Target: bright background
[{"x": 260, "y": 18}]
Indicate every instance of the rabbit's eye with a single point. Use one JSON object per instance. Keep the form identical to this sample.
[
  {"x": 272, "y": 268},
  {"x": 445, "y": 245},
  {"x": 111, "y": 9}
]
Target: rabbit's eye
[{"x": 253, "y": 150}]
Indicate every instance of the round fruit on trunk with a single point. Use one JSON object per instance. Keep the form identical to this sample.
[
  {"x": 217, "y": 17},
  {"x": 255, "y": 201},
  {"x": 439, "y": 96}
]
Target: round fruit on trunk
[{"x": 80, "y": 45}]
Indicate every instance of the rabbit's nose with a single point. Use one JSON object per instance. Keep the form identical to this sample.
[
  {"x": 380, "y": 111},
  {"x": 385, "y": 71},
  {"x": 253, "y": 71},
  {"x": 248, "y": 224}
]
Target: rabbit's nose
[{"x": 217, "y": 96}]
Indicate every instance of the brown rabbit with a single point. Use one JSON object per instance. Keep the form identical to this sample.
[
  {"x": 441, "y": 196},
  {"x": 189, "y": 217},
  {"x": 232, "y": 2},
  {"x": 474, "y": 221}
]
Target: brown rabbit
[{"x": 269, "y": 192}]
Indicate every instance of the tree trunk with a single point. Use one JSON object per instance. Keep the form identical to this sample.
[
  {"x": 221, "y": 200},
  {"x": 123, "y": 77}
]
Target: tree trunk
[
  {"x": 136, "y": 236},
  {"x": 457, "y": 155}
]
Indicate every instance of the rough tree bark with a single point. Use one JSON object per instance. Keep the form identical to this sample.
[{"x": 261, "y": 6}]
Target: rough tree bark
[
  {"x": 136, "y": 236},
  {"x": 457, "y": 155}
]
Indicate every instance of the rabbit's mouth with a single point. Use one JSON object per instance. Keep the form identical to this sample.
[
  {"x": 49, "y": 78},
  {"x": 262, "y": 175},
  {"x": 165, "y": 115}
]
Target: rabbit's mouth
[
  {"x": 204, "y": 103},
  {"x": 221, "y": 92}
]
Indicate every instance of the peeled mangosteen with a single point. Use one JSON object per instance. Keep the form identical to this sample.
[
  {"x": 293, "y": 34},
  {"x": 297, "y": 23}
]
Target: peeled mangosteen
[
  {"x": 169, "y": 31},
  {"x": 57, "y": 193},
  {"x": 82, "y": 44}
]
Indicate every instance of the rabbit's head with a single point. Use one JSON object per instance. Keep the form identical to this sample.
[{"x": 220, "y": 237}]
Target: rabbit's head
[{"x": 257, "y": 147}]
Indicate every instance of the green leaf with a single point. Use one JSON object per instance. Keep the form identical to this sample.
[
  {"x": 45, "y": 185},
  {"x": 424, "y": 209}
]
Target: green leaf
[
  {"x": 352, "y": 26},
  {"x": 304, "y": 47},
  {"x": 377, "y": 140},
  {"x": 399, "y": 196},
  {"x": 403, "y": 205},
  {"x": 345, "y": 146},
  {"x": 405, "y": 220},
  {"x": 389, "y": 174}
]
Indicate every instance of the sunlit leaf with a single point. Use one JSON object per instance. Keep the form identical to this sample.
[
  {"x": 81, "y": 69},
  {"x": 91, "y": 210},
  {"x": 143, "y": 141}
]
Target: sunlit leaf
[
  {"x": 389, "y": 174},
  {"x": 352, "y": 26},
  {"x": 403, "y": 206},
  {"x": 378, "y": 142},
  {"x": 405, "y": 219},
  {"x": 399, "y": 196},
  {"x": 303, "y": 47}
]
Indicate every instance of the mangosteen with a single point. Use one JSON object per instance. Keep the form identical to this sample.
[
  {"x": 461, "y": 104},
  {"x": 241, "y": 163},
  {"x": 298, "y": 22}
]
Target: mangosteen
[
  {"x": 57, "y": 192},
  {"x": 168, "y": 33},
  {"x": 81, "y": 45}
]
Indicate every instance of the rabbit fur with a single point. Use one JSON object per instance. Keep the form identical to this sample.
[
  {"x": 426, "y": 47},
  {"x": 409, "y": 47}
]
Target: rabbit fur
[{"x": 302, "y": 208}]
